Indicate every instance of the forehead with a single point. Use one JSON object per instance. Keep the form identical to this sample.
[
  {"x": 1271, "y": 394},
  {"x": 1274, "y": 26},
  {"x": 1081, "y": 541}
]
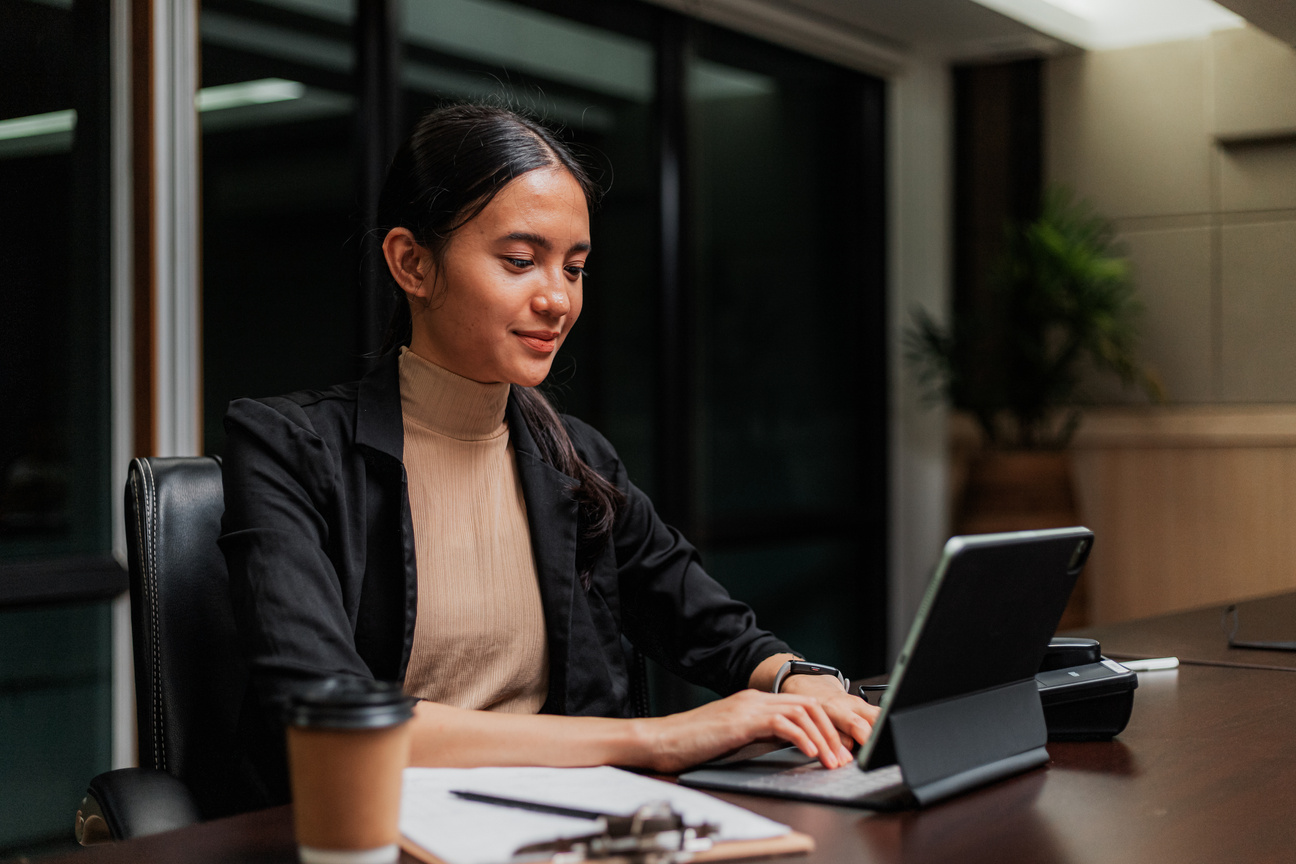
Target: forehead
[{"x": 548, "y": 199}]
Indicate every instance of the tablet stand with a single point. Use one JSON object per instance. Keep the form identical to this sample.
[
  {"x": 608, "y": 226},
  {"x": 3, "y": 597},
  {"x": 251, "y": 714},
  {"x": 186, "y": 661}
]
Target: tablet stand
[{"x": 946, "y": 747}]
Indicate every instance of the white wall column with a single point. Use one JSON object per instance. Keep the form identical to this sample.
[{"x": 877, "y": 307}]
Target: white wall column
[
  {"x": 920, "y": 154},
  {"x": 177, "y": 298},
  {"x": 123, "y": 681}
]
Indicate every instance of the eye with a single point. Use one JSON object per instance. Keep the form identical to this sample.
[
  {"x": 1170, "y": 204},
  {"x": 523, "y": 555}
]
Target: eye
[
  {"x": 576, "y": 271},
  {"x": 520, "y": 263}
]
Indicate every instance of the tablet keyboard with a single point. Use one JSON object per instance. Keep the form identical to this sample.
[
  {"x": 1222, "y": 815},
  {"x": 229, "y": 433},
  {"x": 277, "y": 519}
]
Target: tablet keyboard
[{"x": 842, "y": 784}]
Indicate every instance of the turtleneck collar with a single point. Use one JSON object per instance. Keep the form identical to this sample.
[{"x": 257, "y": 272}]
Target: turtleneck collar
[{"x": 449, "y": 404}]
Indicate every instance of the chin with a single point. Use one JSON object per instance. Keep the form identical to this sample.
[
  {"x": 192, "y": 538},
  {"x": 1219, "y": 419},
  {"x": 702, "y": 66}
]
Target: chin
[{"x": 529, "y": 377}]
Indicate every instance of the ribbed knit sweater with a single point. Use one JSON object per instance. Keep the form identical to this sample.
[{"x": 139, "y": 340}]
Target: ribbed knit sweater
[{"x": 479, "y": 637}]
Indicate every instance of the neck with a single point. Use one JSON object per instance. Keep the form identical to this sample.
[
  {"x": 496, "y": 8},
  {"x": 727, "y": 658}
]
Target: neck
[{"x": 449, "y": 404}]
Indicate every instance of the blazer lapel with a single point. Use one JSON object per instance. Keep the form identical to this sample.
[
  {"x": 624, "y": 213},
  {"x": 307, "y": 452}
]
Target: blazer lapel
[
  {"x": 552, "y": 519},
  {"x": 380, "y": 434}
]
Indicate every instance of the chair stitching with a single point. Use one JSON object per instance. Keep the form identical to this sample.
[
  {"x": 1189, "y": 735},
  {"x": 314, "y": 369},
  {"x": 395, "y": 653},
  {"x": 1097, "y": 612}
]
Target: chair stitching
[
  {"x": 159, "y": 741},
  {"x": 141, "y": 551}
]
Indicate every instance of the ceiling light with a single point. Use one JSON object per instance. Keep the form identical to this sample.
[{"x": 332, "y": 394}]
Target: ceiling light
[
  {"x": 53, "y": 123},
  {"x": 260, "y": 92},
  {"x": 1104, "y": 24}
]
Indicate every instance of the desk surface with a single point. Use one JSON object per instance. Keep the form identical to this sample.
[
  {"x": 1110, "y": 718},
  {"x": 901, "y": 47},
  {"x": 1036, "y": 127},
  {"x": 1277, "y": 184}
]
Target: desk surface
[
  {"x": 1197, "y": 636},
  {"x": 1203, "y": 773}
]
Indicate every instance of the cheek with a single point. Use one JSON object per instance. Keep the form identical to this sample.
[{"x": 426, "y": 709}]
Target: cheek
[{"x": 468, "y": 316}]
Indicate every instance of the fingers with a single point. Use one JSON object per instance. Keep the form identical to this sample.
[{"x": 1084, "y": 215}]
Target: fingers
[
  {"x": 852, "y": 717},
  {"x": 796, "y": 735},
  {"x": 802, "y": 721},
  {"x": 831, "y": 753},
  {"x": 829, "y": 730},
  {"x": 855, "y": 725},
  {"x": 823, "y": 729}
]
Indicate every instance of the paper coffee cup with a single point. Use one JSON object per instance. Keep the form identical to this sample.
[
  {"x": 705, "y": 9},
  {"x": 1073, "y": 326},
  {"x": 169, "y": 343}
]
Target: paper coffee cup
[{"x": 348, "y": 742}]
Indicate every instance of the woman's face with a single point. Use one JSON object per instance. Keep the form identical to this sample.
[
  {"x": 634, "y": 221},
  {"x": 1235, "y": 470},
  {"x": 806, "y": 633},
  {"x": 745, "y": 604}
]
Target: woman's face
[{"x": 507, "y": 289}]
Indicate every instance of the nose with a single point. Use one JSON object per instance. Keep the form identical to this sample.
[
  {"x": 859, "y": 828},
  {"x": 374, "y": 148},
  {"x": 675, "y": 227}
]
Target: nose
[{"x": 551, "y": 301}]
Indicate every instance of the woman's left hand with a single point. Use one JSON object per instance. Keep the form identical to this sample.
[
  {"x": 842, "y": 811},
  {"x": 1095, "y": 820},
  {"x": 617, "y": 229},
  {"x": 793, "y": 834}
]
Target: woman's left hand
[{"x": 852, "y": 716}]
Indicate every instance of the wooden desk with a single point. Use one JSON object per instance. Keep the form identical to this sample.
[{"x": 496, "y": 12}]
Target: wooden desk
[
  {"x": 1197, "y": 636},
  {"x": 1205, "y": 772}
]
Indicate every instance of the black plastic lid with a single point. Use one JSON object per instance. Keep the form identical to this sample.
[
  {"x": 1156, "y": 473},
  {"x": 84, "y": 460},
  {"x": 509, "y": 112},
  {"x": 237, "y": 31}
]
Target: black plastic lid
[{"x": 350, "y": 703}]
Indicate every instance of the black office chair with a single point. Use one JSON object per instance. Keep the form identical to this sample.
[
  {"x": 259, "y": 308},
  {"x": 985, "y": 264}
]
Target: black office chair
[{"x": 190, "y": 679}]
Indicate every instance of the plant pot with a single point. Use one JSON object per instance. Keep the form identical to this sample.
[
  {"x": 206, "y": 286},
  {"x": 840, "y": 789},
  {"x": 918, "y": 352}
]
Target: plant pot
[{"x": 1019, "y": 490}]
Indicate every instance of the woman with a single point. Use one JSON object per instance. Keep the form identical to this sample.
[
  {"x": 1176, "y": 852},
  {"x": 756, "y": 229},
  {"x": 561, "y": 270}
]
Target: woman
[{"x": 437, "y": 523}]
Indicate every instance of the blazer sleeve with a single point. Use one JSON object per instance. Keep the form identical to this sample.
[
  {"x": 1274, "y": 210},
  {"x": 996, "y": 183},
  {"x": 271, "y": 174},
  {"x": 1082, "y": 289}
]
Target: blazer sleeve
[
  {"x": 671, "y": 608},
  {"x": 288, "y": 599}
]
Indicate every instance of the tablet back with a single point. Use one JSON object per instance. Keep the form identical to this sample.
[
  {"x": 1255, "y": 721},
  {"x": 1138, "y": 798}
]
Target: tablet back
[{"x": 978, "y": 638}]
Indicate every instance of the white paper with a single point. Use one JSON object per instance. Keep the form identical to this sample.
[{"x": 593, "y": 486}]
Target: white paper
[{"x": 470, "y": 832}]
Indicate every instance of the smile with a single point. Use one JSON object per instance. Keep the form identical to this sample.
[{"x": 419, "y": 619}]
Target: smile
[{"x": 539, "y": 340}]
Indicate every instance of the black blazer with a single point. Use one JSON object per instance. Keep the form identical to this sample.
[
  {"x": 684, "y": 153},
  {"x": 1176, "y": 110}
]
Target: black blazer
[{"x": 320, "y": 546}]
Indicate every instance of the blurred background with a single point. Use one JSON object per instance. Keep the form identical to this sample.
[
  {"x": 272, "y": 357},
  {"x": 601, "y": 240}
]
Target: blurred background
[{"x": 187, "y": 193}]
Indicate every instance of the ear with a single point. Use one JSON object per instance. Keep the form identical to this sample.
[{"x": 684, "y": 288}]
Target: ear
[{"x": 410, "y": 264}]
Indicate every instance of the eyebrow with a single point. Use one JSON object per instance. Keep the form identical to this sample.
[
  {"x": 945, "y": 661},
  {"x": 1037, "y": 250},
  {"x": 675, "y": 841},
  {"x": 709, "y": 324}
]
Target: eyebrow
[{"x": 543, "y": 242}]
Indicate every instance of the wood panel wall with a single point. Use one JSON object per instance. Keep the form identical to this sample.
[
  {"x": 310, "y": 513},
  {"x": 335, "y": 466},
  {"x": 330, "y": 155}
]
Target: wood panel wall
[{"x": 1190, "y": 506}]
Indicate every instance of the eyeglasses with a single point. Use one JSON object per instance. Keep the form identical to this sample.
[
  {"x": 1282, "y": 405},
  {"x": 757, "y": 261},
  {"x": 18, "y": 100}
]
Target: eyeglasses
[{"x": 1229, "y": 624}]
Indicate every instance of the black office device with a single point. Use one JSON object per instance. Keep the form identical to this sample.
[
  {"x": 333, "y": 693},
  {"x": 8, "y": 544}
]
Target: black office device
[
  {"x": 1086, "y": 697},
  {"x": 963, "y": 706}
]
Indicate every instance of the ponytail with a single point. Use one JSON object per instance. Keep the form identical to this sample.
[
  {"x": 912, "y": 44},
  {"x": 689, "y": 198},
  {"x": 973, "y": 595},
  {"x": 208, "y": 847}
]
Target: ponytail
[{"x": 598, "y": 500}]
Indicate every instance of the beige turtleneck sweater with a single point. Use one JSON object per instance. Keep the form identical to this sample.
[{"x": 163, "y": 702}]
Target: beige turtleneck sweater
[{"x": 479, "y": 638}]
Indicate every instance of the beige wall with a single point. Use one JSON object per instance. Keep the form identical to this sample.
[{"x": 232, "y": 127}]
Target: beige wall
[{"x": 1191, "y": 148}]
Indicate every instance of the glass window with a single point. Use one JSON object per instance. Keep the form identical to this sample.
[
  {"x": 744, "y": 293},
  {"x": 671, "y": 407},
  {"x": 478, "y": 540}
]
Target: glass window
[
  {"x": 280, "y": 260},
  {"x": 55, "y": 505},
  {"x": 54, "y": 257},
  {"x": 55, "y": 704},
  {"x": 788, "y": 382}
]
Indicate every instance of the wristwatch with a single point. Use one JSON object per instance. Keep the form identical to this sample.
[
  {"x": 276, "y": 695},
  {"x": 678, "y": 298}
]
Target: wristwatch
[{"x": 804, "y": 667}]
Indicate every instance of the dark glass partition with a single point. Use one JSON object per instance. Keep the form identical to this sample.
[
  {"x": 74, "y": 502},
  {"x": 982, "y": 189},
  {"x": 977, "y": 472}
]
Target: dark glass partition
[
  {"x": 788, "y": 379},
  {"x": 280, "y": 251},
  {"x": 55, "y": 504},
  {"x": 54, "y": 257}
]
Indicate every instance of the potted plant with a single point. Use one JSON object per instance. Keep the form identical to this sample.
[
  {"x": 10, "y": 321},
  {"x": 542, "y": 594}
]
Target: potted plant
[{"x": 1061, "y": 306}]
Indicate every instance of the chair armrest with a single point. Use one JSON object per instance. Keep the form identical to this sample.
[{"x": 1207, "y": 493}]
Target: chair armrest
[{"x": 133, "y": 802}]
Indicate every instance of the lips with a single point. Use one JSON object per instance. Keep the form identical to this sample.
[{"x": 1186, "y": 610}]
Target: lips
[{"x": 543, "y": 341}]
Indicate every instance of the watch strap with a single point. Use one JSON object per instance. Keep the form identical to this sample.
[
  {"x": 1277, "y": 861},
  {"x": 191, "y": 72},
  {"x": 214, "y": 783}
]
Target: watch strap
[{"x": 805, "y": 667}]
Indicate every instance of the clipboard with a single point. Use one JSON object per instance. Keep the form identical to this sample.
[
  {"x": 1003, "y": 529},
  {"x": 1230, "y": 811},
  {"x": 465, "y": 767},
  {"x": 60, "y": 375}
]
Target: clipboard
[
  {"x": 792, "y": 843},
  {"x": 444, "y": 819}
]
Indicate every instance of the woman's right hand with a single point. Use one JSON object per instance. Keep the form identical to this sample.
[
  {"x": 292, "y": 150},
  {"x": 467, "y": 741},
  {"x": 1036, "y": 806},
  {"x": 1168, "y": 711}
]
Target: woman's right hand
[{"x": 680, "y": 741}]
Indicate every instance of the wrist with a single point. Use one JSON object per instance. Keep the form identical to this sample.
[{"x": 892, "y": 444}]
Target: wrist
[
  {"x": 637, "y": 744},
  {"x": 762, "y": 677}
]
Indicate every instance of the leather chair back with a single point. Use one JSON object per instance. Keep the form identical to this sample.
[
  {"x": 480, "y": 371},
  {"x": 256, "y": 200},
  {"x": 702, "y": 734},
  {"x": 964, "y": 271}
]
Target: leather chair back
[{"x": 190, "y": 678}]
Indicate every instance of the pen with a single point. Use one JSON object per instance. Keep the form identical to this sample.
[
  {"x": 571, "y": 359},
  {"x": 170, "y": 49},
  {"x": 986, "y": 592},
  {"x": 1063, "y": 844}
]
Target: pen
[
  {"x": 530, "y": 805},
  {"x": 1150, "y": 665}
]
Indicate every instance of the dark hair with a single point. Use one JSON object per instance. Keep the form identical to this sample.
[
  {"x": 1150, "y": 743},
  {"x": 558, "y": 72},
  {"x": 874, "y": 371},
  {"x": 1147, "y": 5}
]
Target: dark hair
[{"x": 454, "y": 163}]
